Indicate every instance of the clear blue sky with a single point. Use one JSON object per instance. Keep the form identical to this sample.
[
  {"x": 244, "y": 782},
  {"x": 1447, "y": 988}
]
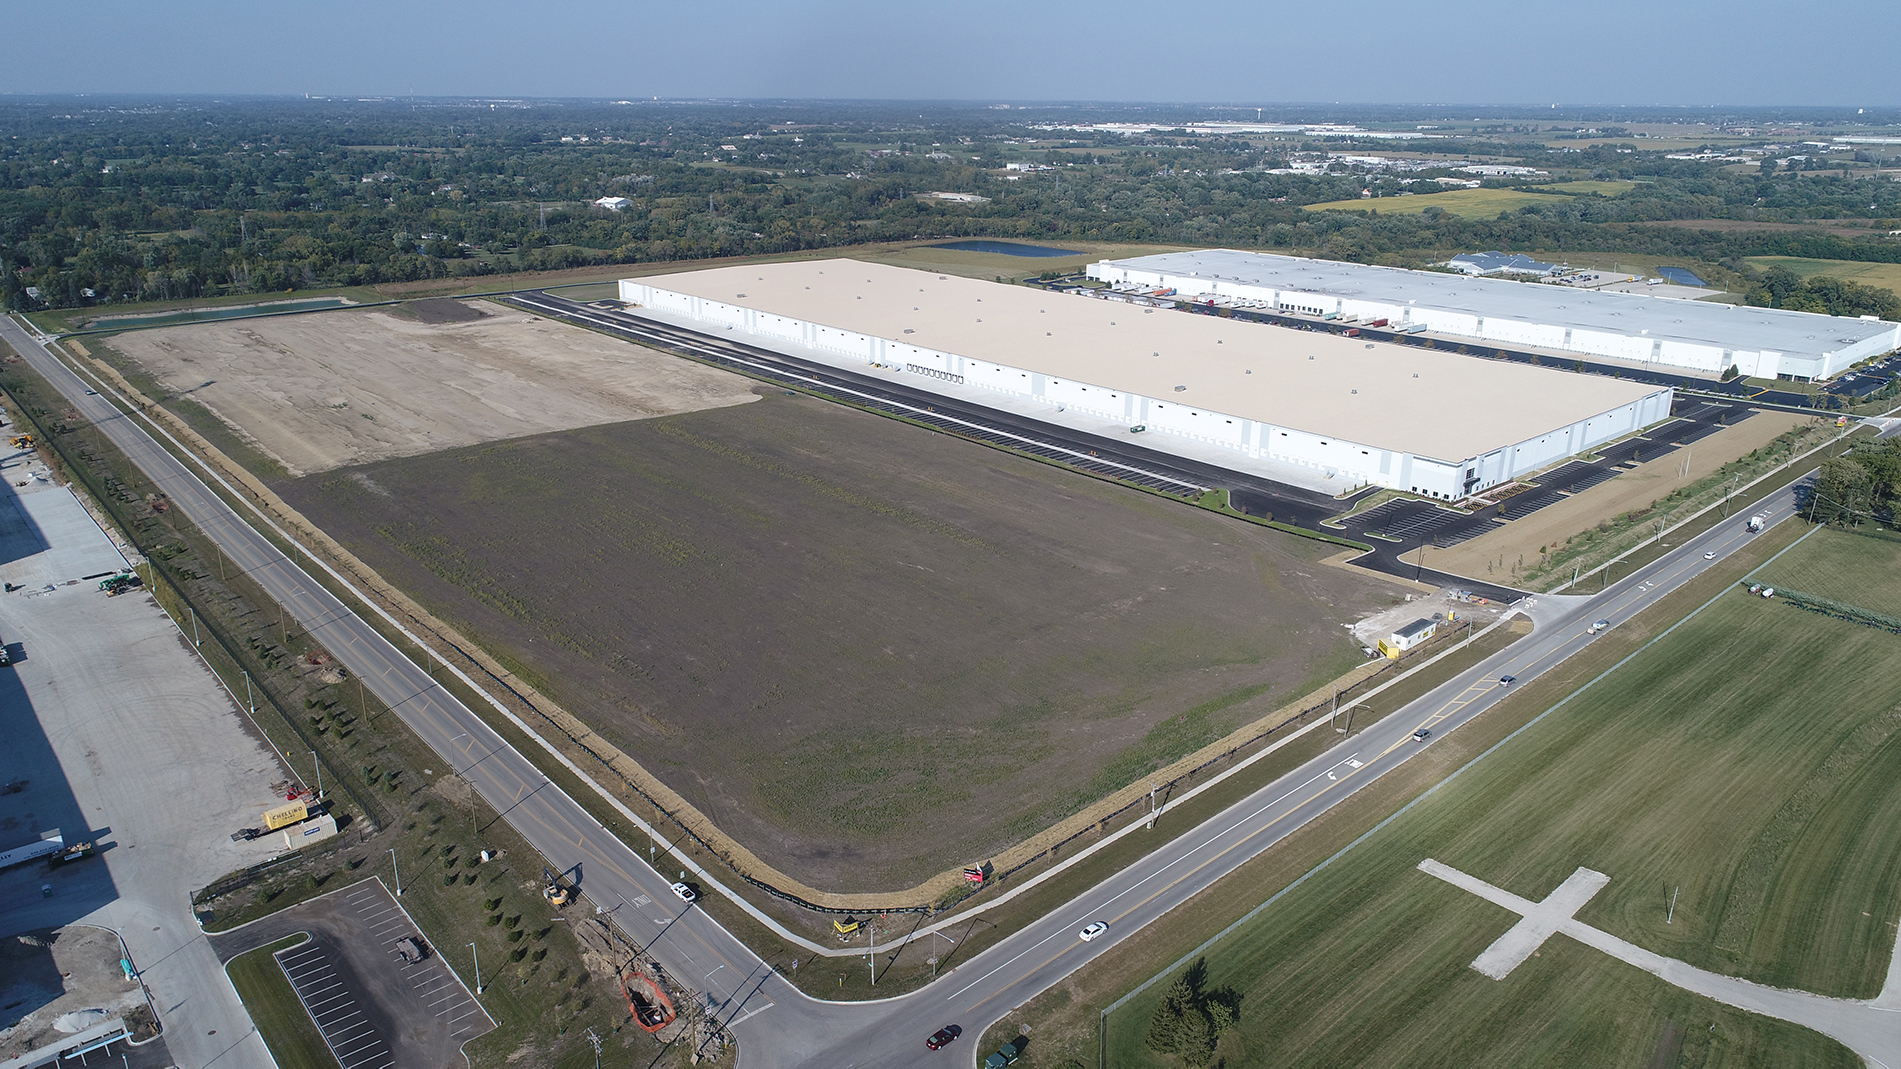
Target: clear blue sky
[{"x": 1688, "y": 52}]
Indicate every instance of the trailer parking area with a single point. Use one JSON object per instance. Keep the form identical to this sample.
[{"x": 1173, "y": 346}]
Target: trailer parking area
[{"x": 375, "y": 1010}]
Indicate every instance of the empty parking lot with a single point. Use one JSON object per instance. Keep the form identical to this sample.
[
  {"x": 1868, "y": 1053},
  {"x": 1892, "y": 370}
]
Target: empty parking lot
[{"x": 375, "y": 1010}]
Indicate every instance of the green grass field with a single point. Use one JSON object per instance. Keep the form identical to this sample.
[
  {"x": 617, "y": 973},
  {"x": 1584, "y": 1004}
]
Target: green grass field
[
  {"x": 1603, "y": 189},
  {"x": 1843, "y": 567},
  {"x": 266, "y": 992},
  {"x": 1470, "y": 203},
  {"x": 1886, "y": 276},
  {"x": 1704, "y": 767}
]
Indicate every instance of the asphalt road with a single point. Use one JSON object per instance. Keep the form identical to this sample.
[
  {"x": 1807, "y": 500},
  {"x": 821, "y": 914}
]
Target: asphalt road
[{"x": 777, "y": 1025}]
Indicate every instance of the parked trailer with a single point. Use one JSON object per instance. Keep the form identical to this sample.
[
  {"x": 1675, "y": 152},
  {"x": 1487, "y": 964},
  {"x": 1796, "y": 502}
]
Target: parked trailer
[
  {"x": 1378, "y": 323},
  {"x": 1755, "y": 523},
  {"x": 50, "y": 843}
]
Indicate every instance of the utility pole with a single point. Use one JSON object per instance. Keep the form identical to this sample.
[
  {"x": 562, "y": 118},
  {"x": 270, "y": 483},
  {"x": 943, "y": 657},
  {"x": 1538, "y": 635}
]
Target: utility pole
[
  {"x": 1671, "y": 916},
  {"x": 1421, "y": 566},
  {"x": 319, "y": 766}
]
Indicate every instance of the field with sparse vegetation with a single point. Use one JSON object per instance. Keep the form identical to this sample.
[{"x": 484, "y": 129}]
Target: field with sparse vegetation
[{"x": 865, "y": 651}]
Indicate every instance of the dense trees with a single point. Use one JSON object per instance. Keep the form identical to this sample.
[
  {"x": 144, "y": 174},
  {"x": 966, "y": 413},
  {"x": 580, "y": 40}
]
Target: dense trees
[
  {"x": 1189, "y": 1020},
  {"x": 161, "y": 201},
  {"x": 1865, "y": 481},
  {"x": 1781, "y": 288}
]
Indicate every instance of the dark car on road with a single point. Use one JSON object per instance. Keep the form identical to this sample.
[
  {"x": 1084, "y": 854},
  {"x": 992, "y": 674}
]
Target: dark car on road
[{"x": 944, "y": 1035}]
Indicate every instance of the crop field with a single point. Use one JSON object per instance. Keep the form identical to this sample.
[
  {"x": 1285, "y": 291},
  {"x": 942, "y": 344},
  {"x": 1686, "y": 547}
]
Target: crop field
[
  {"x": 1744, "y": 766},
  {"x": 1843, "y": 567},
  {"x": 868, "y": 652},
  {"x": 1885, "y": 276},
  {"x": 1470, "y": 203}
]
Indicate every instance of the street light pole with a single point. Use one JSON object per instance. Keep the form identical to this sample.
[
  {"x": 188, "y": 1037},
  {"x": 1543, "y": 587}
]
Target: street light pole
[
  {"x": 478, "y": 967},
  {"x": 398, "y": 872},
  {"x": 319, "y": 767},
  {"x": 871, "y": 956}
]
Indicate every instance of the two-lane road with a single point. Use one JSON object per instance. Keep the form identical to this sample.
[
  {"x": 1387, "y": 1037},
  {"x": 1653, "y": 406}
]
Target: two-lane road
[{"x": 777, "y": 1025}]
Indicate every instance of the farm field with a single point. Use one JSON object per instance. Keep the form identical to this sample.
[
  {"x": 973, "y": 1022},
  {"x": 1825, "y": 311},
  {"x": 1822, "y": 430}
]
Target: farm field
[
  {"x": 1886, "y": 276},
  {"x": 1698, "y": 768},
  {"x": 1840, "y": 566},
  {"x": 1470, "y": 203},
  {"x": 865, "y": 651},
  {"x": 314, "y": 392}
]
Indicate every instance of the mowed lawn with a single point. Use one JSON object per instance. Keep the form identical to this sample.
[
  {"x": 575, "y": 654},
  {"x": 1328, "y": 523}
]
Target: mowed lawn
[
  {"x": 1748, "y": 763},
  {"x": 1470, "y": 203},
  {"x": 276, "y": 1010},
  {"x": 1843, "y": 567},
  {"x": 868, "y": 651}
]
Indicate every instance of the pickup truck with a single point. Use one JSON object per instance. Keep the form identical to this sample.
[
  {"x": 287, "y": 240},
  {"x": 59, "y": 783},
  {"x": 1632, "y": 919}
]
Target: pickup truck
[{"x": 1003, "y": 1056}]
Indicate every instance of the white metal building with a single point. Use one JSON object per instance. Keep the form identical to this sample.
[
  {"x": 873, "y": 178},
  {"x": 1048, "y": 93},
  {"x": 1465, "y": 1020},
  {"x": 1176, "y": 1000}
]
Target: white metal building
[
  {"x": 1675, "y": 335},
  {"x": 1263, "y": 397}
]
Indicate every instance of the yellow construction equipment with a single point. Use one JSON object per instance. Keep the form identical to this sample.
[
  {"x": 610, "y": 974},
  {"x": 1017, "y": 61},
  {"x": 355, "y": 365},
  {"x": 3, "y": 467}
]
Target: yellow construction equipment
[
  {"x": 21, "y": 441},
  {"x": 285, "y": 815}
]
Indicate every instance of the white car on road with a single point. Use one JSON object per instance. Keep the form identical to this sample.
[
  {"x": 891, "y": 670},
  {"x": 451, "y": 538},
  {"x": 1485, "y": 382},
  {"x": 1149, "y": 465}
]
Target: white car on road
[{"x": 1092, "y": 931}]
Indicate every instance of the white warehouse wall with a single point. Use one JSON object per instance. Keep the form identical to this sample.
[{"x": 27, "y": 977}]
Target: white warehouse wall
[
  {"x": 1248, "y": 440},
  {"x": 1676, "y": 354}
]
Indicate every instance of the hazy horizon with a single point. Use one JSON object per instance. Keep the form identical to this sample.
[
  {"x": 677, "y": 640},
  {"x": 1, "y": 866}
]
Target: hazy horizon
[{"x": 1611, "y": 53}]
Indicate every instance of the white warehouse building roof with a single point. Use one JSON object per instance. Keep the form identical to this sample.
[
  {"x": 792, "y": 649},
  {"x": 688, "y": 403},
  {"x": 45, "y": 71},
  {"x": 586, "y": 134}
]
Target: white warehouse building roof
[
  {"x": 1678, "y": 335},
  {"x": 1392, "y": 415}
]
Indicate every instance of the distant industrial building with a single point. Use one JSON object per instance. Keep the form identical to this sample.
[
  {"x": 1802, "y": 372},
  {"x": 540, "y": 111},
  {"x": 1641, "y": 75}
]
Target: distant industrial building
[
  {"x": 1336, "y": 412},
  {"x": 1499, "y": 263},
  {"x": 1675, "y": 335},
  {"x": 612, "y": 204}
]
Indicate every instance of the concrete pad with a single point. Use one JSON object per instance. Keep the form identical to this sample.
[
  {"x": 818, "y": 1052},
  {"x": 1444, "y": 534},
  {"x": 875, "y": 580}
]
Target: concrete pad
[
  {"x": 123, "y": 737},
  {"x": 47, "y": 538}
]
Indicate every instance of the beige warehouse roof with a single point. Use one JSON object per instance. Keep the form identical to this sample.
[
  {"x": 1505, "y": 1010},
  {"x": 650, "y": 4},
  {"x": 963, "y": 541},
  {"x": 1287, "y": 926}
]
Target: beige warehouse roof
[{"x": 1427, "y": 402}]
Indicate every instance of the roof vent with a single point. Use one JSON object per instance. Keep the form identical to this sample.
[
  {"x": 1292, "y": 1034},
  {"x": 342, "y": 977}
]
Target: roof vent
[
  {"x": 908, "y": 330},
  {"x": 1310, "y": 357},
  {"x": 1356, "y": 391},
  {"x": 1415, "y": 374},
  {"x": 742, "y": 295},
  {"x": 1179, "y": 389},
  {"x": 1249, "y": 371}
]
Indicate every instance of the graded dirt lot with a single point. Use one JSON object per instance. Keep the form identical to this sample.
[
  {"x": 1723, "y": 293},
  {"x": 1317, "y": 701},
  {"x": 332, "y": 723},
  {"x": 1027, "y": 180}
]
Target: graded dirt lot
[
  {"x": 1492, "y": 555},
  {"x": 327, "y": 389},
  {"x": 867, "y": 651}
]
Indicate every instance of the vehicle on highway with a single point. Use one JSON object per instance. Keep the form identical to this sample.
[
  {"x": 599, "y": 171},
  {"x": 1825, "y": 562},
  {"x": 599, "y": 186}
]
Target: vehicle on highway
[
  {"x": 944, "y": 1035},
  {"x": 1506, "y": 681},
  {"x": 1711, "y": 555},
  {"x": 684, "y": 893},
  {"x": 1422, "y": 734},
  {"x": 1092, "y": 931},
  {"x": 1601, "y": 625}
]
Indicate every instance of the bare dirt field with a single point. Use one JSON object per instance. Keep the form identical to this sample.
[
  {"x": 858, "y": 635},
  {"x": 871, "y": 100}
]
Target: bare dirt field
[
  {"x": 1492, "y": 554},
  {"x": 865, "y": 651},
  {"x": 328, "y": 389}
]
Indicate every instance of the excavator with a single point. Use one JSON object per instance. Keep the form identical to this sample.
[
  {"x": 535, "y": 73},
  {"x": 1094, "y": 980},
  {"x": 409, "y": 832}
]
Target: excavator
[
  {"x": 552, "y": 889},
  {"x": 21, "y": 441}
]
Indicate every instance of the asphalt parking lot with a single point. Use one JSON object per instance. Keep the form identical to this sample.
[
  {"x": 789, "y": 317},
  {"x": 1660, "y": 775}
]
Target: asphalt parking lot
[{"x": 374, "y": 1010}]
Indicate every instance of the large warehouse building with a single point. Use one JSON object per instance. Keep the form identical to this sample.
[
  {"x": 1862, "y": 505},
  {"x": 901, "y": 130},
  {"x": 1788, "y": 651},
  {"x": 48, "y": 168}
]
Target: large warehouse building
[
  {"x": 1340, "y": 411},
  {"x": 1681, "y": 336}
]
